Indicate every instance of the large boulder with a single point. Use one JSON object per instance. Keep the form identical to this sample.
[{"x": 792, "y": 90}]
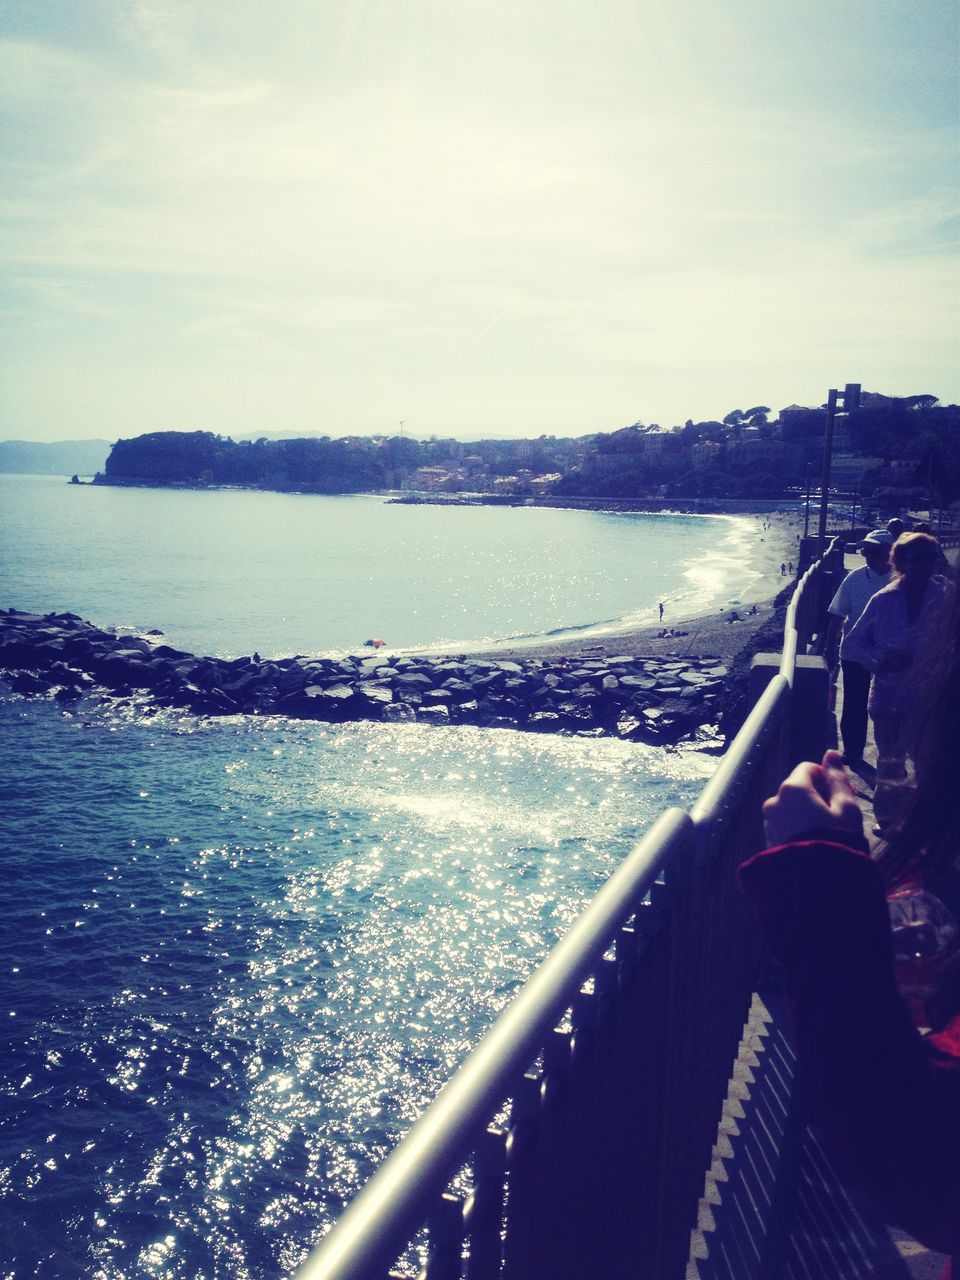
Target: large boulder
[
  {"x": 545, "y": 722},
  {"x": 397, "y": 713},
  {"x": 433, "y": 715}
]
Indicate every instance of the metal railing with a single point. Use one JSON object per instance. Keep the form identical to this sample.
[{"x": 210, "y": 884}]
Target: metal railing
[{"x": 575, "y": 1138}]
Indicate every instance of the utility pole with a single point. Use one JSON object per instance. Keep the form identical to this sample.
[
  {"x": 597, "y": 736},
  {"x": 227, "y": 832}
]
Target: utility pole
[
  {"x": 806, "y": 508},
  {"x": 851, "y": 400}
]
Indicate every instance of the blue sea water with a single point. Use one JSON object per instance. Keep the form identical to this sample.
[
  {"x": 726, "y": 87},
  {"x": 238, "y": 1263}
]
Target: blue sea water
[
  {"x": 240, "y": 956},
  {"x": 230, "y": 572}
]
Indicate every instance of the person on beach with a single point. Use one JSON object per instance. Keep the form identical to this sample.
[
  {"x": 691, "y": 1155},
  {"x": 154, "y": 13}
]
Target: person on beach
[
  {"x": 661, "y": 610},
  {"x": 845, "y": 609},
  {"x": 870, "y": 956},
  {"x": 896, "y": 638}
]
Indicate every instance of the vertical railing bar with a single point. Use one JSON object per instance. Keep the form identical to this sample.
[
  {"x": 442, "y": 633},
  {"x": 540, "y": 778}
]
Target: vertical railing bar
[
  {"x": 445, "y": 1229},
  {"x": 484, "y": 1210},
  {"x": 520, "y": 1230}
]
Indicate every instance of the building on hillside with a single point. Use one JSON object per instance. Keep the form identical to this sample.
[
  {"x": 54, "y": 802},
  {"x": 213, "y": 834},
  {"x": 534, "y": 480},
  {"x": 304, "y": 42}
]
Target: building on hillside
[
  {"x": 798, "y": 418},
  {"x": 902, "y": 469},
  {"x": 542, "y": 484},
  {"x": 434, "y": 479},
  {"x": 847, "y": 469},
  {"x": 705, "y": 453},
  {"x": 653, "y": 442}
]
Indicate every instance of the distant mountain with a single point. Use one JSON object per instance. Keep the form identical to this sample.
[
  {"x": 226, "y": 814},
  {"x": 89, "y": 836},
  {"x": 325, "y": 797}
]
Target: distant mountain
[{"x": 60, "y": 458}]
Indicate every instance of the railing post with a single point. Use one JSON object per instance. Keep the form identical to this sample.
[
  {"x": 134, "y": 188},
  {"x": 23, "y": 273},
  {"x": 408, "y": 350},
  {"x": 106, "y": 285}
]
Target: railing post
[
  {"x": 523, "y": 1153},
  {"x": 812, "y": 725},
  {"x": 483, "y": 1212},
  {"x": 445, "y": 1239}
]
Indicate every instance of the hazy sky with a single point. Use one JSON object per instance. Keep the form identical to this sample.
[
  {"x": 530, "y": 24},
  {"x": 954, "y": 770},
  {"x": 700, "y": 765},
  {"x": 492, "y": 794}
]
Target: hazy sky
[{"x": 504, "y": 217}]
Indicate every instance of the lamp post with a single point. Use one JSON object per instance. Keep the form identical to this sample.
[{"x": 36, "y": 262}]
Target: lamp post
[
  {"x": 850, "y": 396},
  {"x": 806, "y": 507}
]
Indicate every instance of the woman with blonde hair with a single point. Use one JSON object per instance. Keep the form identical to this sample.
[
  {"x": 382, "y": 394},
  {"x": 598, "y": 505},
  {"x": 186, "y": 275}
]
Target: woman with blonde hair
[{"x": 897, "y": 638}]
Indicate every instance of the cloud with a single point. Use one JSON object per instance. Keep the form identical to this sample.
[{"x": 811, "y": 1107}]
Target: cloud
[{"x": 529, "y": 211}]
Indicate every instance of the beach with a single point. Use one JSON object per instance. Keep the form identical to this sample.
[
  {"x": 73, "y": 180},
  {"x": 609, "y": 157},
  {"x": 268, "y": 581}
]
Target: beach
[{"x": 720, "y": 634}]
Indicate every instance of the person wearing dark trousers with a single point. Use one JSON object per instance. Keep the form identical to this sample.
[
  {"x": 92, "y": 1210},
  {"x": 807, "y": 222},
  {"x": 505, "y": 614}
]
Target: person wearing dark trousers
[
  {"x": 853, "y": 720},
  {"x": 845, "y": 608}
]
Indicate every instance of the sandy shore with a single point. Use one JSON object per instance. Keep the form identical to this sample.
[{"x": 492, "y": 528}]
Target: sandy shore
[{"x": 703, "y": 635}]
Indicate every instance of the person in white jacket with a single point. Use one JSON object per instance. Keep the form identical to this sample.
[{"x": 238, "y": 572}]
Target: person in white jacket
[
  {"x": 897, "y": 638},
  {"x": 857, "y": 588}
]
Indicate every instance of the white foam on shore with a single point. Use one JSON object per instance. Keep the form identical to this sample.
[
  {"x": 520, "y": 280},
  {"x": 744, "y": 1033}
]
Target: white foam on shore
[{"x": 742, "y": 570}]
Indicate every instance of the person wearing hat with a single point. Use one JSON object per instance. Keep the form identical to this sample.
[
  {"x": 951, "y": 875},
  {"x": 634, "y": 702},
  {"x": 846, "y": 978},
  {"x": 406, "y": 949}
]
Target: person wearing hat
[{"x": 845, "y": 608}]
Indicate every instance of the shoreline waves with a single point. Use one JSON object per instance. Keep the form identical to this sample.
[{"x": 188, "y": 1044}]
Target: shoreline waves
[
  {"x": 746, "y": 575},
  {"x": 695, "y": 632}
]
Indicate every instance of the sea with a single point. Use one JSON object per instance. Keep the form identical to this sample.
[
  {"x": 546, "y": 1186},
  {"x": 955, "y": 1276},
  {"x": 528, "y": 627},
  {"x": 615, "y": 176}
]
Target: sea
[{"x": 240, "y": 956}]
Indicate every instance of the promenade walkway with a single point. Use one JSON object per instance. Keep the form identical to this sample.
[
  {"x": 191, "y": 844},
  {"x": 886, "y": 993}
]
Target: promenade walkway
[
  {"x": 921, "y": 1263},
  {"x": 799, "y": 1218}
]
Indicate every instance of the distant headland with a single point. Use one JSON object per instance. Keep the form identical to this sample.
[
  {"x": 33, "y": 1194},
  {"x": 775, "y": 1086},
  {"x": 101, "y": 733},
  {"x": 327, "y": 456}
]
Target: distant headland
[{"x": 890, "y": 451}]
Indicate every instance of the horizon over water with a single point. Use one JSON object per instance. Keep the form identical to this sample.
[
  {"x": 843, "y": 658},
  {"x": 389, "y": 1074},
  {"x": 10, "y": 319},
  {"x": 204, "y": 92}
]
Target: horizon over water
[{"x": 241, "y": 955}]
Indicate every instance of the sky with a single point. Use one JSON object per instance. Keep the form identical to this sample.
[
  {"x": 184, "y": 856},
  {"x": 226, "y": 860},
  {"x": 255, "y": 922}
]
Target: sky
[{"x": 477, "y": 217}]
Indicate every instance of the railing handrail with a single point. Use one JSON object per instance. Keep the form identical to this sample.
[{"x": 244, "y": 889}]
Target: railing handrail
[
  {"x": 712, "y": 799},
  {"x": 377, "y": 1223},
  {"x": 388, "y": 1210}
]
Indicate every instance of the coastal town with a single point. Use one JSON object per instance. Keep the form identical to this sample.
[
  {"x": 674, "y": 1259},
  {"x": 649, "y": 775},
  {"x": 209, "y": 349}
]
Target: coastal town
[{"x": 888, "y": 453}]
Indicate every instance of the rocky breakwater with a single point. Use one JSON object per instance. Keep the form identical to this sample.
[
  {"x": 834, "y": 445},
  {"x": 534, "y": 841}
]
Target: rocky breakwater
[{"x": 650, "y": 699}]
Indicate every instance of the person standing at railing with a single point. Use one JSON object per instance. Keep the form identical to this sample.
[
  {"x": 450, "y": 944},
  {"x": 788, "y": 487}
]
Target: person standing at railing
[
  {"x": 895, "y": 638},
  {"x": 870, "y": 954},
  {"x": 845, "y": 609}
]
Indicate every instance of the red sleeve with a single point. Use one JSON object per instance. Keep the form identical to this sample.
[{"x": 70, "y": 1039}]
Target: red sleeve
[{"x": 888, "y": 1099}]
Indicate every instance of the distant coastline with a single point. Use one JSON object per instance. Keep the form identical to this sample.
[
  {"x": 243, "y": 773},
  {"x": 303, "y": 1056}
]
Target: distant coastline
[
  {"x": 62, "y": 458},
  {"x": 636, "y": 506},
  {"x": 746, "y": 457}
]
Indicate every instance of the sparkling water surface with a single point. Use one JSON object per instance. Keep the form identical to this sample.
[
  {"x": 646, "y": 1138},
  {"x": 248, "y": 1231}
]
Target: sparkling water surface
[
  {"x": 240, "y": 956},
  {"x": 230, "y": 572}
]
